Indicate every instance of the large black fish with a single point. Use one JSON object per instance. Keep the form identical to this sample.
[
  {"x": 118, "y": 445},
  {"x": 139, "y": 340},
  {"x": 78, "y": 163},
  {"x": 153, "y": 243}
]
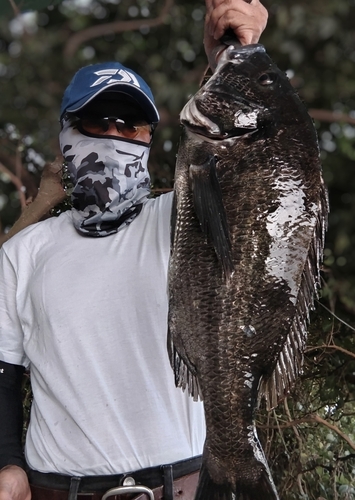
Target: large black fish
[{"x": 248, "y": 229}]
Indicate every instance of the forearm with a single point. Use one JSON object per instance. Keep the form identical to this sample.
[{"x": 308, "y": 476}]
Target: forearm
[{"x": 11, "y": 415}]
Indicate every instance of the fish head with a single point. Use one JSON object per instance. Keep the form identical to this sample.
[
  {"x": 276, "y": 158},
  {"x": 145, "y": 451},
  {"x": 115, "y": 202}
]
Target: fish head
[{"x": 246, "y": 94}]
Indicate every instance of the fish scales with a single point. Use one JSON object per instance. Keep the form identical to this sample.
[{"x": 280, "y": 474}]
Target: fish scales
[{"x": 248, "y": 232}]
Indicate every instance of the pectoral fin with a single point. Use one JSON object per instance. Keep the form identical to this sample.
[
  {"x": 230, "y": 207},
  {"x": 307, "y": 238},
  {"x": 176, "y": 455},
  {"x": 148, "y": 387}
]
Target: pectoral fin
[{"x": 210, "y": 211}]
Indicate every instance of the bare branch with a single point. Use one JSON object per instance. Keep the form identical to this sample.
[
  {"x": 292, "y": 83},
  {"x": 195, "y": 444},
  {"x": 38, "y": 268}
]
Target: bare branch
[
  {"x": 331, "y": 346},
  {"x": 295, "y": 430},
  {"x": 15, "y": 8},
  {"x": 334, "y": 428},
  {"x": 324, "y": 115},
  {"x": 77, "y": 39},
  {"x": 285, "y": 425},
  {"x": 335, "y": 316},
  {"x": 308, "y": 420}
]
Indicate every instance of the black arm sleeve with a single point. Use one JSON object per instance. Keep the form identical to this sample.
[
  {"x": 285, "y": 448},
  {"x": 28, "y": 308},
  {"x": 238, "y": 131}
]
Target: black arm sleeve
[{"x": 11, "y": 415}]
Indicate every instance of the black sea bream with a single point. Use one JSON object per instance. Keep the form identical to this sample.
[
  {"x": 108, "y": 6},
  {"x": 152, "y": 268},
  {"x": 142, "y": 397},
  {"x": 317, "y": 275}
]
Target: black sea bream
[{"x": 248, "y": 228}]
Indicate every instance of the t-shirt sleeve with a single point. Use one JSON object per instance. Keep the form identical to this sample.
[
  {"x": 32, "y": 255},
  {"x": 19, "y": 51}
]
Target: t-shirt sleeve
[{"x": 11, "y": 332}]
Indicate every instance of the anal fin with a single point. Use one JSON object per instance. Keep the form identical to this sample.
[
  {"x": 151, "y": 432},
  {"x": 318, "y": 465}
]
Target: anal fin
[{"x": 184, "y": 371}]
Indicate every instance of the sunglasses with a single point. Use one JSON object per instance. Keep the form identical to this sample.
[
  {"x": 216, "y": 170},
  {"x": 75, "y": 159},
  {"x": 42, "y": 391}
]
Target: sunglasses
[{"x": 136, "y": 129}]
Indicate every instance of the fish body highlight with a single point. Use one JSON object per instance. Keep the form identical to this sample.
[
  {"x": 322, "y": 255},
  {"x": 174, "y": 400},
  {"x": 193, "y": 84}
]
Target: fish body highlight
[{"x": 248, "y": 228}]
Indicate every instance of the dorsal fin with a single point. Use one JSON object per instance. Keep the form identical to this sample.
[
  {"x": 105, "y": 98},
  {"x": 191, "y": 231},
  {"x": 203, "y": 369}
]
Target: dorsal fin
[{"x": 289, "y": 364}]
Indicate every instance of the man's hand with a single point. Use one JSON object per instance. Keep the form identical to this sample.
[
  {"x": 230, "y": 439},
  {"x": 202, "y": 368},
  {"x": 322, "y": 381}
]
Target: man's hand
[
  {"x": 14, "y": 484},
  {"x": 247, "y": 20}
]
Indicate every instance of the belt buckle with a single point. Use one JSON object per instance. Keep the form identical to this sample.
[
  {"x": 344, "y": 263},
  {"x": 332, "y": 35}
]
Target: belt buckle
[{"x": 123, "y": 490}]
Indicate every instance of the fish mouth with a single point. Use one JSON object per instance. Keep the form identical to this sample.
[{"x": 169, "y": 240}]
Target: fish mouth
[
  {"x": 245, "y": 123},
  {"x": 244, "y": 120},
  {"x": 234, "y": 133}
]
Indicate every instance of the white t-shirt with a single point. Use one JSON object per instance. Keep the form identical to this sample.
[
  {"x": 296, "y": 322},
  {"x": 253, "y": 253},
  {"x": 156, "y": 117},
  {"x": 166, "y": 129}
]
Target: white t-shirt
[{"x": 89, "y": 316}]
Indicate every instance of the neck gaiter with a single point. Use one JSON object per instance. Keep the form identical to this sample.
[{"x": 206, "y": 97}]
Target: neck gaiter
[{"x": 110, "y": 177}]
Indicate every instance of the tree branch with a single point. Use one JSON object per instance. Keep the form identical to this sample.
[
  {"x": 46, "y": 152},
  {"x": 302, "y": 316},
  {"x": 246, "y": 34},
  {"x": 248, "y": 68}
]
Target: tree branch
[
  {"x": 311, "y": 419},
  {"x": 14, "y": 8},
  {"x": 77, "y": 39},
  {"x": 331, "y": 346},
  {"x": 295, "y": 430},
  {"x": 324, "y": 115},
  {"x": 335, "y": 316},
  {"x": 334, "y": 428}
]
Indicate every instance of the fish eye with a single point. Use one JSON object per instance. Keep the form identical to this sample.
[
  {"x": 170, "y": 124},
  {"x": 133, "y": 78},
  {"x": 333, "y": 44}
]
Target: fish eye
[{"x": 267, "y": 78}]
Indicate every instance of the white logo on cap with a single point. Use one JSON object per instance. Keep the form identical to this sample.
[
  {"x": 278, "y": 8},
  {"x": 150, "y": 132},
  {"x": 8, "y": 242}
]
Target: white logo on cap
[{"x": 107, "y": 74}]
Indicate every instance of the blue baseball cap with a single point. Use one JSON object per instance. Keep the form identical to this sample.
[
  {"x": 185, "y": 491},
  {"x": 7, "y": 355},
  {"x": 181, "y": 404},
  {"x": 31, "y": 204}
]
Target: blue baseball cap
[{"x": 91, "y": 80}]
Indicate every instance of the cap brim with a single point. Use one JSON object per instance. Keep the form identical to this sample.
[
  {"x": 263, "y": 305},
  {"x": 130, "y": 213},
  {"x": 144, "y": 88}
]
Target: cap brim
[{"x": 141, "y": 97}]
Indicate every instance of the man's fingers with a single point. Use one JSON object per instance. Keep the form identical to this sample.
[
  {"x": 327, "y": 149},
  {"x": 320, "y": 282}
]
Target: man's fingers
[
  {"x": 247, "y": 21},
  {"x": 213, "y": 4}
]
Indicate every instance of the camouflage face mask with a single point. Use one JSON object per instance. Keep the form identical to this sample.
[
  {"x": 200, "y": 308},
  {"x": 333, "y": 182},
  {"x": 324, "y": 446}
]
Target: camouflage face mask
[{"x": 110, "y": 177}]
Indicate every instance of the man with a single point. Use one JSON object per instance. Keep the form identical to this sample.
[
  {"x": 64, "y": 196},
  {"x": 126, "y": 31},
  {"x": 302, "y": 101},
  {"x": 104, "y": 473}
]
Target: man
[{"x": 83, "y": 302}]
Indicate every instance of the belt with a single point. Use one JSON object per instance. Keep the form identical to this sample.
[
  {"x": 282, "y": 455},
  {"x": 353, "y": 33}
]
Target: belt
[
  {"x": 162, "y": 478},
  {"x": 184, "y": 488}
]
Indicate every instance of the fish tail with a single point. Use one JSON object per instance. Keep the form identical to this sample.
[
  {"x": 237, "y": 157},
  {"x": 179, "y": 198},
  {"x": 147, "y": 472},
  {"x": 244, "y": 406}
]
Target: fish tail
[
  {"x": 207, "y": 489},
  {"x": 264, "y": 489}
]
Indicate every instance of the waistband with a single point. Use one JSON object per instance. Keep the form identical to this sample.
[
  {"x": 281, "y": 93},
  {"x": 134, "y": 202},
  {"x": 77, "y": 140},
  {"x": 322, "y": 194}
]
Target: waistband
[
  {"x": 184, "y": 488},
  {"x": 151, "y": 477}
]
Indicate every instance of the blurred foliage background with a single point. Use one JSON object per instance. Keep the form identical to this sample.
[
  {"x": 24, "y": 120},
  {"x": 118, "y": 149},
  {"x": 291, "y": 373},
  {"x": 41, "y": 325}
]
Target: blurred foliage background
[{"x": 310, "y": 438}]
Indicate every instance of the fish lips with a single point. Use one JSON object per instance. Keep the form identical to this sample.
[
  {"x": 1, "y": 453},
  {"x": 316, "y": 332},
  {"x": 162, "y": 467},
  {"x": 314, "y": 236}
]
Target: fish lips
[{"x": 200, "y": 117}]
